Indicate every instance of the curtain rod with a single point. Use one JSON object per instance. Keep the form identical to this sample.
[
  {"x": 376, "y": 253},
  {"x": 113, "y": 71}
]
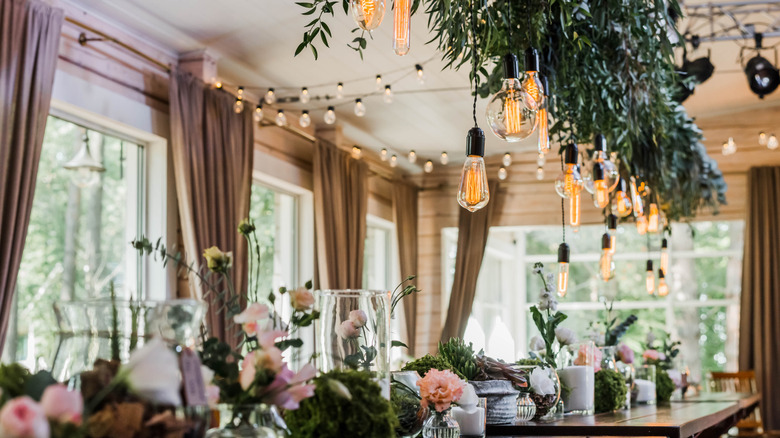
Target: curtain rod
[{"x": 83, "y": 40}]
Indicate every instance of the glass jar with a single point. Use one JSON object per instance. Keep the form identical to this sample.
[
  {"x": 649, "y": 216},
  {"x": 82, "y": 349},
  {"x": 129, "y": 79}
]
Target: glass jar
[
  {"x": 608, "y": 358},
  {"x": 578, "y": 374},
  {"x": 627, "y": 370},
  {"x": 526, "y": 408},
  {"x": 441, "y": 425},
  {"x": 248, "y": 421},
  {"x": 545, "y": 403},
  {"x": 353, "y": 332},
  {"x": 644, "y": 386},
  {"x": 405, "y": 398}
]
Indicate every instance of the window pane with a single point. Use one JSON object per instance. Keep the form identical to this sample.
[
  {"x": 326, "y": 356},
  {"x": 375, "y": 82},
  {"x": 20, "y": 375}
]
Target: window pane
[
  {"x": 712, "y": 343},
  {"x": 274, "y": 214}
]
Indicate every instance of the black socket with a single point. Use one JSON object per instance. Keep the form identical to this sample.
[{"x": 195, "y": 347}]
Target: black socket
[
  {"x": 531, "y": 59},
  {"x": 570, "y": 156},
  {"x": 600, "y": 143},
  {"x": 660, "y": 273},
  {"x": 331, "y": 108},
  {"x": 664, "y": 244},
  {"x": 606, "y": 241},
  {"x": 612, "y": 222},
  {"x": 598, "y": 171},
  {"x": 511, "y": 66},
  {"x": 475, "y": 142},
  {"x": 563, "y": 253},
  {"x": 650, "y": 265}
]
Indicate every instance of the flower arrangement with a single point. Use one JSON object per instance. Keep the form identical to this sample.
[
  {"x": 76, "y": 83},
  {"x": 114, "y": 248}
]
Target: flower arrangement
[
  {"x": 547, "y": 319},
  {"x": 664, "y": 386},
  {"x": 440, "y": 389},
  {"x": 661, "y": 354},
  {"x": 610, "y": 391},
  {"x": 625, "y": 354}
]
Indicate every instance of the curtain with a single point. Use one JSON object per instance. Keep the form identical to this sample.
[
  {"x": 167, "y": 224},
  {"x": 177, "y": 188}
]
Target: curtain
[
  {"x": 29, "y": 46},
  {"x": 212, "y": 161},
  {"x": 340, "y": 207},
  {"x": 405, "y": 215},
  {"x": 473, "y": 229},
  {"x": 759, "y": 331}
]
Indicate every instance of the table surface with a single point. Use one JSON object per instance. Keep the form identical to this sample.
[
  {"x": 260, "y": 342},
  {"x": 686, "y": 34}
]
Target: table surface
[{"x": 681, "y": 418}]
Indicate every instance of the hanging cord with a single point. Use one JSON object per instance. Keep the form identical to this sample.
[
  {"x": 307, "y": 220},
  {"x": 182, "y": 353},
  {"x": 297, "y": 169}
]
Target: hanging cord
[
  {"x": 474, "y": 61},
  {"x": 563, "y": 206},
  {"x": 509, "y": 23}
]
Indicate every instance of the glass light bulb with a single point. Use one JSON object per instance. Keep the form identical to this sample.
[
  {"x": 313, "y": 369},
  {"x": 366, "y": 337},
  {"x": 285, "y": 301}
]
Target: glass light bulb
[
  {"x": 368, "y": 14},
  {"x": 563, "y": 279},
  {"x": 281, "y": 119},
  {"x": 611, "y": 173},
  {"x": 507, "y": 160},
  {"x": 663, "y": 288},
  {"x": 340, "y": 91},
  {"x": 772, "y": 143},
  {"x": 258, "y": 115},
  {"x": 388, "y": 97},
  {"x": 612, "y": 243},
  {"x": 533, "y": 88},
  {"x": 502, "y": 173},
  {"x": 383, "y": 154},
  {"x": 305, "y": 97},
  {"x": 473, "y": 191},
  {"x": 330, "y": 116},
  {"x": 606, "y": 265},
  {"x": 762, "y": 138},
  {"x": 569, "y": 182},
  {"x": 356, "y": 152},
  {"x": 650, "y": 282},
  {"x": 444, "y": 159},
  {"x": 539, "y": 173},
  {"x": 540, "y": 159},
  {"x": 508, "y": 113},
  {"x": 305, "y": 120},
  {"x": 622, "y": 203},
  {"x": 378, "y": 82},
  {"x": 664, "y": 257},
  {"x": 652, "y": 219},
  {"x": 641, "y": 225},
  {"x": 360, "y": 108},
  {"x": 543, "y": 142},
  {"x": 270, "y": 96},
  {"x": 601, "y": 193},
  {"x": 636, "y": 199},
  {"x": 428, "y": 168},
  {"x": 393, "y": 161},
  {"x": 420, "y": 73},
  {"x": 402, "y": 13},
  {"x": 218, "y": 85},
  {"x": 238, "y": 106},
  {"x": 412, "y": 156},
  {"x": 574, "y": 211}
]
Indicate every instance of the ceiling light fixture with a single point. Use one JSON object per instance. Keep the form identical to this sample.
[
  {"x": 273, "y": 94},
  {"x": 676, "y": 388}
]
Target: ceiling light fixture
[
  {"x": 444, "y": 159},
  {"x": 428, "y": 168},
  {"x": 763, "y": 77},
  {"x": 510, "y": 113},
  {"x": 84, "y": 166}
]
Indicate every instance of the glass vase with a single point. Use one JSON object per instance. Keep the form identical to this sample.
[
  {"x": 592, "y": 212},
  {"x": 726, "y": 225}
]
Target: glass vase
[
  {"x": 608, "y": 358},
  {"x": 627, "y": 370},
  {"x": 545, "y": 403},
  {"x": 526, "y": 408},
  {"x": 405, "y": 399},
  {"x": 441, "y": 425},
  {"x": 578, "y": 374},
  {"x": 248, "y": 421},
  {"x": 353, "y": 333},
  {"x": 644, "y": 386}
]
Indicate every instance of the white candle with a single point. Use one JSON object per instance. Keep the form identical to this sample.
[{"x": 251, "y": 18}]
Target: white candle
[
  {"x": 471, "y": 422},
  {"x": 645, "y": 391},
  {"x": 581, "y": 379}
]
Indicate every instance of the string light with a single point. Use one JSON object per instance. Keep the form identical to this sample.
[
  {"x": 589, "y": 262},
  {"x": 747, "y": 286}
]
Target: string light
[
  {"x": 340, "y": 90},
  {"x": 543, "y": 141},
  {"x": 258, "y": 115},
  {"x": 218, "y": 85},
  {"x": 420, "y": 73},
  {"x": 652, "y": 219},
  {"x": 304, "y": 97},
  {"x": 378, "y": 82},
  {"x": 368, "y": 14},
  {"x": 622, "y": 201},
  {"x": 650, "y": 278},
  {"x": 772, "y": 143},
  {"x": 360, "y": 108},
  {"x": 356, "y": 152},
  {"x": 281, "y": 119},
  {"x": 502, "y": 173},
  {"x": 401, "y": 26},
  {"x": 606, "y": 265},
  {"x": 270, "y": 96},
  {"x": 239, "y": 105},
  {"x": 507, "y": 159},
  {"x": 540, "y": 159},
  {"x": 330, "y": 116},
  {"x": 663, "y": 288},
  {"x": 762, "y": 138},
  {"x": 729, "y": 146},
  {"x": 511, "y": 113},
  {"x": 388, "y": 95},
  {"x": 563, "y": 269},
  {"x": 612, "y": 223},
  {"x": 664, "y": 256},
  {"x": 305, "y": 119},
  {"x": 428, "y": 168},
  {"x": 412, "y": 156},
  {"x": 393, "y": 161},
  {"x": 539, "y": 173},
  {"x": 444, "y": 159},
  {"x": 383, "y": 154}
]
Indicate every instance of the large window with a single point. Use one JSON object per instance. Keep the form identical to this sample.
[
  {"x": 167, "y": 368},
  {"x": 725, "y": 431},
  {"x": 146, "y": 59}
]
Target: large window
[
  {"x": 701, "y": 310},
  {"x": 78, "y": 237},
  {"x": 378, "y": 255}
]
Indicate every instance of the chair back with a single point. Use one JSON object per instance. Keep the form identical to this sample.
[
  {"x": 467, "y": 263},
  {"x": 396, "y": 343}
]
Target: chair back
[{"x": 742, "y": 381}]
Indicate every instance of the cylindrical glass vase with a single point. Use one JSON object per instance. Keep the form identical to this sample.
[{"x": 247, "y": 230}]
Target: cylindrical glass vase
[
  {"x": 644, "y": 386},
  {"x": 579, "y": 375},
  {"x": 353, "y": 332},
  {"x": 248, "y": 421}
]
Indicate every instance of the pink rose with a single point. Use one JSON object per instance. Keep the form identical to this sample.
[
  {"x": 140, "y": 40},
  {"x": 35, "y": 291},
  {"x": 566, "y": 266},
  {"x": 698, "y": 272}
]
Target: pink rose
[
  {"x": 597, "y": 356},
  {"x": 267, "y": 340},
  {"x": 23, "y": 418},
  {"x": 251, "y": 316},
  {"x": 62, "y": 405},
  {"x": 651, "y": 355},
  {"x": 265, "y": 359},
  {"x": 626, "y": 354},
  {"x": 358, "y": 318},
  {"x": 347, "y": 330},
  {"x": 287, "y": 390},
  {"x": 441, "y": 388},
  {"x": 301, "y": 299},
  {"x": 582, "y": 357}
]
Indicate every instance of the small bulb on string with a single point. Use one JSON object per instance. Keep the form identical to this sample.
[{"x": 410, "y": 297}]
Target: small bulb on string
[
  {"x": 502, "y": 173},
  {"x": 663, "y": 288},
  {"x": 641, "y": 225},
  {"x": 356, "y": 152},
  {"x": 473, "y": 193},
  {"x": 563, "y": 269},
  {"x": 340, "y": 90},
  {"x": 772, "y": 142},
  {"x": 378, "y": 82},
  {"x": 270, "y": 96},
  {"x": 540, "y": 159},
  {"x": 305, "y": 119},
  {"x": 304, "y": 97},
  {"x": 258, "y": 115},
  {"x": 428, "y": 168},
  {"x": 420, "y": 73},
  {"x": 239, "y": 105},
  {"x": 444, "y": 159},
  {"x": 388, "y": 96},
  {"x": 606, "y": 265},
  {"x": 539, "y": 173},
  {"x": 652, "y": 218},
  {"x": 412, "y": 156},
  {"x": 664, "y": 255},
  {"x": 622, "y": 206},
  {"x": 330, "y": 115},
  {"x": 393, "y": 161},
  {"x": 650, "y": 278},
  {"x": 281, "y": 118},
  {"x": 360, "y": 108},
  {"x": 383, "y": 154},
  {"x": 507, "y": 160},
  {"x": 612, "y": 223},
  {"x": 218, "y": 85},
  {"x": 762, "y": 138}
]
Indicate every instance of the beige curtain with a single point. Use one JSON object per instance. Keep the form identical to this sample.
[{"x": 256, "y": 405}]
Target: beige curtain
[
  {"x": 473, "y": 229},
  {"x": 212, "y": 161},
  {"x": 405, "y": 214},
  {"x": 340, "y": 207},
  {"x": 29, "y": 46},
  {"x": 759, "y": 331}
]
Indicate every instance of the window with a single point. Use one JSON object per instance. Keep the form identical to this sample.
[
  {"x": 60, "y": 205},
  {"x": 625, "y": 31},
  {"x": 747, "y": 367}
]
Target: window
[
  {"x": 378, "y": 255},
  {"x": 704, "y": 282},
  {"x": 78, "y": 238}
]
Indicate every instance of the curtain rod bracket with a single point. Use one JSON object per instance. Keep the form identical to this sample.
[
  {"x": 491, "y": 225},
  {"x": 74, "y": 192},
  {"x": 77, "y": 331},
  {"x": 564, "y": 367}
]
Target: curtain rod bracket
[{"x": 83, "y": 40}]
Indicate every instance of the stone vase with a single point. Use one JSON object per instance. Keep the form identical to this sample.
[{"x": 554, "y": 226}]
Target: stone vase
[{"x": 501, "y": 400}]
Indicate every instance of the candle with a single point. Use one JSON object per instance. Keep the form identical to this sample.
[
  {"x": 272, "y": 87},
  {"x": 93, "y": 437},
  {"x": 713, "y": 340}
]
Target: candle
[
  {"x": 645, "y": 391},
  {"x": 471, "y": 422},
  {"x": 581, "y": 380}
]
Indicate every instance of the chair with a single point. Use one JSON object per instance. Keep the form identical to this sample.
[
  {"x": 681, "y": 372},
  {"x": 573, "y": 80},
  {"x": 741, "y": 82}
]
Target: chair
[{"x": 742, "y": 381}]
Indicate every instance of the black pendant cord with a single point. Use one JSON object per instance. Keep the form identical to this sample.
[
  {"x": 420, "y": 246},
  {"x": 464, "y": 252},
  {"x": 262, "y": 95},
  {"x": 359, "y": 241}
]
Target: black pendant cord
[
  {"x": 474, "y": 61},
  {"x": 509, "y": 23},
  {"x": 563, "y": 206}
]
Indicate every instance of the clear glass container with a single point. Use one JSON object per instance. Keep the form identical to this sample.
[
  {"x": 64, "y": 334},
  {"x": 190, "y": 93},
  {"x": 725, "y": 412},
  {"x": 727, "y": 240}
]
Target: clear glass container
[
  {"x": 608, "y": 358},
  {"x": 441, "y": 425},
  {"x": 578, "y": 374},
  {"x": 644, "y": 386},
  {"x": 511, "y": 113},
  {"x": 526, "y": 408},
  {"x": 248, "y": 421}
]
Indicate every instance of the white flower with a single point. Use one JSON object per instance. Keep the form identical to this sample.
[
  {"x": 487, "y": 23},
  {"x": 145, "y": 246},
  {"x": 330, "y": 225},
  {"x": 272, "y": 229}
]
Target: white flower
[
  {"x": 550, "y": 280},
  {"x": 538, "y": 269},
  {"x": 565, "y": 336},
  {"x": 541, "y": 383},
  {"x": 536, "y": 343},
  {"x": 358, "y": 318},
  {"x": 339, "y": 388},
  {"x": 553, "y": 305},
  {"x": 152, "y": 373}
]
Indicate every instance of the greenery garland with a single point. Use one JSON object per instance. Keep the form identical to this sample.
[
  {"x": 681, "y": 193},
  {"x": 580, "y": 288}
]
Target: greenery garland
[{"x": 611, "y": 70}]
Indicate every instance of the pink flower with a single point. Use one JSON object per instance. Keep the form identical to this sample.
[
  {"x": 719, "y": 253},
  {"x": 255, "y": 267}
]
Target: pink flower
[
  {"x": 441, "y": 388},
  {"x": 597, "y": 356},
  {"x": 265, "y": 359},
  {"x": 267, "y": 340},
  {"x": 582, "y": 358},
  {"x": 23, "y": 418},
  {"x": 358, "y": 318},
  {"x": 62, "y": 405},
  {"x": 301, "y": 299},
  {"x": 251, "y": 316},
  {"x": 288, "y": 389},
  {"x": 347, "y": 330},
  {"x": 212, "y": 395},
  {"x": 652, "y": 355},
  {"x": 626, "y": 354}
]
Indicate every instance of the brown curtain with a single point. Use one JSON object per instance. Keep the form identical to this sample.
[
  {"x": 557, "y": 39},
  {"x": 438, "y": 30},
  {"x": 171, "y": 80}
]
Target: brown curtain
[
  {"x": 340, "y": 207},
  {"x": 212, "y": 161},
  {"x": 29, "y": 46},
  {"x": 473, "y": 229},
  {"x": 405, "y": 215},
  {"x": 759, "y": 331}
]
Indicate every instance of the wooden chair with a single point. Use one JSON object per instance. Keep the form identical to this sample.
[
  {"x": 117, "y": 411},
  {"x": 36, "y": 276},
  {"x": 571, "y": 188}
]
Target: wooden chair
[{"x": 745, "y": 382}]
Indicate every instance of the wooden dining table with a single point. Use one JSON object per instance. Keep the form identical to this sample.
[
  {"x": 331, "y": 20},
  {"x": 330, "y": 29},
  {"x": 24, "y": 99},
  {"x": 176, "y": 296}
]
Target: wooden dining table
[{"x": 705, "y": 415}]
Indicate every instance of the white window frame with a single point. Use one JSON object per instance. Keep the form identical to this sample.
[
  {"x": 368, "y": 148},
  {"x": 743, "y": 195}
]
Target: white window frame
[{"x": 391, "y": 249}]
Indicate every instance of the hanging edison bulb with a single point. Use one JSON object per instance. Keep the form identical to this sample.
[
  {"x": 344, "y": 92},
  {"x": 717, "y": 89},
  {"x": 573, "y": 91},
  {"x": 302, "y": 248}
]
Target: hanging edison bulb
[
  {"x": 574, "y": 212},
  {"x": 304, "y": 96},
  {"x": 305, "y": 119},
  {"x": 428, "y": 168},
  {"x": 402, "y": 13},
  {"x": 412, "y": 156},
  {"x": 543, "y": 142},
  {"x": 388, "y": 95},
  {"x": 506, "y": 160},
  {"x": 650, "y": 278},
  {"x": 599, "y": 186},
  {"x": 622, "y": 206},
  {"x": 270, "y": 96},
  {"x": 281, "y": 118},
  {"x": 330, "y": 115},
  {"x": 360, "y": 108},
  {"x": 368, "y": 14},
  {"x": 239, "y": 105},
  {"x": 664, "y": 256},
  {"x": 612, "y": 223},
  {"x": 258, "y": 115},
  {"x": 606, "y": 265},
  {"x": 663, "y": 288},
  {"x": 340, "y": 90},
  {"x": 394, "y": 161},
  {"x": 508, "y": 113},
  {"x": 420, "y": 73},
  {"x": 610, "y": 171},
  {"x": 539, "y": 173},
  {"x": 636, "y": 199},
  {"x": 383, "y": 154},
  {"x": 444, "y": 158},
  {"x": 569, "y": 182},
  {"x": 641, "y": 225},
  {"x": 652, "y": 218},
  {"x": 563, "y": 269},
  {"x": 473, "y": 192},
  {"x": 502, "y": 173},
  {"x": 532, "y": 85}
]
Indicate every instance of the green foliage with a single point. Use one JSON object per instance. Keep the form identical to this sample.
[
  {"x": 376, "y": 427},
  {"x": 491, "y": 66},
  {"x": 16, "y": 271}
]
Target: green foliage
[
  {"x": 664, "y": 386},
  {"x": 460, "y": 356},
  {"x": 615, "y": 332},
  {"x": 333, "y": 414},
  {"x": 13, "y": 379},
  {"x": 429, "y": 362},
  {"x": 220, "y": 358},
  {"x": 406, "y": 405},
  {"x": 610, "y": 391},
  {"x": 530, "y": 362}
]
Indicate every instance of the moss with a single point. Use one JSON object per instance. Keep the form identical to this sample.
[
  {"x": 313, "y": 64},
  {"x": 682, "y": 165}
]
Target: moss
[
  {"x": 664, "y": 386},
  {"x": 610, "y": 391},
  {"x": 329, "y": 414},
  {"x": 427, "y": 363}
]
